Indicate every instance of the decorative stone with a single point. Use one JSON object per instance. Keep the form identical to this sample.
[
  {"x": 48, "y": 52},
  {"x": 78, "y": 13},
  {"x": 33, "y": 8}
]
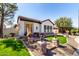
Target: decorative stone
[{"x": 55, "y": 42}]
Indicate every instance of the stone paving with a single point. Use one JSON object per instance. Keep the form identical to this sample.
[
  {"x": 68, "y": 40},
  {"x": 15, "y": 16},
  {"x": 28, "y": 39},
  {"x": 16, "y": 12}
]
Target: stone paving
[{"x": 65, "y": 50}]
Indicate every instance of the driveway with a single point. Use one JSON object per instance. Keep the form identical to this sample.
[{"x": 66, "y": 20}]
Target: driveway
[
  {"x": 73, "y": 41},
  {"x": 77, "y": 39}
]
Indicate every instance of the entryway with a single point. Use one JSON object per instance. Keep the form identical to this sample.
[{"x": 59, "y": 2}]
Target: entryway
[{"x": 29, "y": 28}]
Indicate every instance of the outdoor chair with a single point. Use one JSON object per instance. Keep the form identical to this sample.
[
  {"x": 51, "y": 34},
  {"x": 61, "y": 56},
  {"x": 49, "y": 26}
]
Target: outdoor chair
[{"x": 48, "y": 52}]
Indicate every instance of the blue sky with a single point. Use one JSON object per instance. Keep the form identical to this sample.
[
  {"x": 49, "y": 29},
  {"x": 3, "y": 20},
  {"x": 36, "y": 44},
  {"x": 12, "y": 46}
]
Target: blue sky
[{"x": 52, "y": 11}]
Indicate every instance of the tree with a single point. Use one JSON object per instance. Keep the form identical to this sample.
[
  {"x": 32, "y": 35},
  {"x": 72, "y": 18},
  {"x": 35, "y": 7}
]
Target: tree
[
  {"x": 64, "y": 24},
  {"x": 7, "y": 11}
]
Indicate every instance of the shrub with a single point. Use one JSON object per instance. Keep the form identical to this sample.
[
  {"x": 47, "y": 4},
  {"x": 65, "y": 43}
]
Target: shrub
[
  {"x": 11, "y": 47},
  {"x": 15, "y": 44}
]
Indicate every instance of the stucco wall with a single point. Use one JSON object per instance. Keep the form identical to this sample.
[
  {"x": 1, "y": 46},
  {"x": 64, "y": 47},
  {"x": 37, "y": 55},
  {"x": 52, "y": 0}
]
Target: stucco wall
[
  {"x": 36, "y": 29},
  {"x": 46, "y": 23},
  {"x": 21, "y": 28}
]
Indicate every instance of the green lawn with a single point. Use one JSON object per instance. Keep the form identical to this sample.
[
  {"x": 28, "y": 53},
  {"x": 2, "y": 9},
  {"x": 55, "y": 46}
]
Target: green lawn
[
  {"x": 62, "y": 39},
  {"x": 10, "y": 47}
]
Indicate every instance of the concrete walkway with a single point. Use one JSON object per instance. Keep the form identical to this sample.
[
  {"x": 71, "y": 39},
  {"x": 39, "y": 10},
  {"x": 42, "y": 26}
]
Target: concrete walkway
[
  {"x": 73, "y": 41},
  {"x": 77, "y": 39}
]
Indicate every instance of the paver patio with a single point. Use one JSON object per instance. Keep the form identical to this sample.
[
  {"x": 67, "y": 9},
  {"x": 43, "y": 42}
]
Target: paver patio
[{"x": 65, "y": 50}]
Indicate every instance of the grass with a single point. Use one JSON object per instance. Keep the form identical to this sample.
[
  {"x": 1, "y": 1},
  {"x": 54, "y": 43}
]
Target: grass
[
  {"x": 62, "y": 39},
  {"x": 50, "y": 38},
  {"x": 10, "y": 47}
]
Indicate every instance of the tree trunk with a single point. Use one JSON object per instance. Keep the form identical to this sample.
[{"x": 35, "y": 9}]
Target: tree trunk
[
  {"x": 1, "y": 27},
  {"x": 2, "y": 21}
]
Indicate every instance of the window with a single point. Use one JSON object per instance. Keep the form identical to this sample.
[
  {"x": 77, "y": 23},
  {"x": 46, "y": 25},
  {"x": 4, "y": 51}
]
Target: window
[
  {"x": 36, "y": 27},
  {"x": 50, "y": 28},
  {"x": 44, "y": 28},
  {"x": 47, "y": 28}
]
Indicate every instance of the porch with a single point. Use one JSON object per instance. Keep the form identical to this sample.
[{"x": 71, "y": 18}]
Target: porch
[{"x": 28, "y": 27}]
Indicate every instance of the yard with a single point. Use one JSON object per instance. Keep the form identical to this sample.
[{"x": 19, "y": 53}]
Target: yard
[
  {"x": 11, "y": 47},
  {"x": 62, "y": 39}
]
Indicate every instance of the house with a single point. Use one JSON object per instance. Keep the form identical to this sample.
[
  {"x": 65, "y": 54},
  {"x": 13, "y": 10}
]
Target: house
[
  {"x": 30, "y": 25},
  {"x": 8, "y": 31}
]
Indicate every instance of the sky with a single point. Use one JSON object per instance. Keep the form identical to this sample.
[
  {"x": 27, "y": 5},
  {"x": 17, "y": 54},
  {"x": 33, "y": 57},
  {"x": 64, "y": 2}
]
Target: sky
[{"x": 52, "y": 11}]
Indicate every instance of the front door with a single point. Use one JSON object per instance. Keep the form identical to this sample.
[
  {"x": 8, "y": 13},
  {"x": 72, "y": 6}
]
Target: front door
[{"x": 29, "y": 28}]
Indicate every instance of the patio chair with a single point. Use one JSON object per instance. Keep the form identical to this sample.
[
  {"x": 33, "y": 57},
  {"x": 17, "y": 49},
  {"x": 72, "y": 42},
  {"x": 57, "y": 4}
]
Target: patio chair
[{"x": 48, "y": 52}]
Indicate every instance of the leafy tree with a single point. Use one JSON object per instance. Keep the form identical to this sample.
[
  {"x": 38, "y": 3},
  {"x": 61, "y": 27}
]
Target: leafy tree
[
  {"x": 76, "y": 30},
  {"x": 7, "y": 11},
  {"x": 64, "y": 24}
]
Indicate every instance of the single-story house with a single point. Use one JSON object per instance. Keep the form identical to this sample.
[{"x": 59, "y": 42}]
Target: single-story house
[{"x": 30, "y": 25}]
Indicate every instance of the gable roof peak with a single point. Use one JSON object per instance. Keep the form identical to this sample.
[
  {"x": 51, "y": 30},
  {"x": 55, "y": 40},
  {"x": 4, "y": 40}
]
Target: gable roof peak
[{"x": 48, "y": 20}]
